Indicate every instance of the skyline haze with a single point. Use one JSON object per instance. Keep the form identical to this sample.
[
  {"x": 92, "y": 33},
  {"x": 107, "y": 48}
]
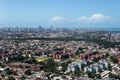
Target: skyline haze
[{"x": 60, "y": 13}]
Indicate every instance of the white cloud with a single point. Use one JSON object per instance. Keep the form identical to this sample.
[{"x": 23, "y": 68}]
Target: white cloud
[
  {"x": 94, "y": 18},
  {"x": 58, "y": 19}
]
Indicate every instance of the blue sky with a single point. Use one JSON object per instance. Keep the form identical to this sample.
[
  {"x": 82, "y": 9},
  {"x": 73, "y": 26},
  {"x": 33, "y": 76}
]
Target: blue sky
[{"x": 60, "y": 13}]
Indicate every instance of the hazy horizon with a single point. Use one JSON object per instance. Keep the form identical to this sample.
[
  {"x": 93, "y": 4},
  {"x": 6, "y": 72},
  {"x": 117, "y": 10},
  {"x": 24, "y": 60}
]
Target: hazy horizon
[{"x": 60, "y": 13}]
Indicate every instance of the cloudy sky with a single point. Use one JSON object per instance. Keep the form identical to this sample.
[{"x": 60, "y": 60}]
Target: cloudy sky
[{"x": 60, "y": 13}]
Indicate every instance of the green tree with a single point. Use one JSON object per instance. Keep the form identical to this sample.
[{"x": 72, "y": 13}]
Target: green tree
[
  {"x": 64, "y": 65},
  {"x": 28, "y": 72},
  {"x": 90, "y": 74},
  {"x": 107, "y": 54},
  {"x": 77, "y": 72},
  {"x": 11, "y": 78},
  {"x": 9, "y": 71},
  {"x": 82, "y": 66},
  {"x": 22, "y": 77},
  {"x": 110, "y": 75},
  {"x": 50, "y": 65},
  {"x": 2, "y": 75},
  {"x": 113, "y": 59},
  {"x": 98, "y": 76}
]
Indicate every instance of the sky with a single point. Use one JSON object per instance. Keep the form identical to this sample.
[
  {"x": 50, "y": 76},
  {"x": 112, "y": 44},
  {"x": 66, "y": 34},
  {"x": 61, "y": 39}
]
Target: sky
[{"x": 60, "y": 13}]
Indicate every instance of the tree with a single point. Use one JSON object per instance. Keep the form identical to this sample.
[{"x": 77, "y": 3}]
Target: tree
[
  {"x": 11, "y": 78},
  {"x": 96, "y": 60},
  {"x": 98, "y": 76},
  {"x": 77, "y": 72},
  {"x": 80, "y": 48},
  {"x": 8, "y": 71},
  {"x": 22, "y": 77},
  {"x": 90, "y": 74},
  {"x": 96, "y": 52},
  {"x": 82, "y": 66},
  {"x": 32, "y": 61},
  {"x": 28, "y": 72},
  {"x": 64, "y": 65},
  {"x": 2, "y": 75},
  {"x": 110, "y": 75},
  {"x": 113, "y": 59},
  {"x": 107, "y": 54},
  {"x": 114, "y": 76},
  {"x": 109, "y": 67},
  {"x": 50, "y": 65}
]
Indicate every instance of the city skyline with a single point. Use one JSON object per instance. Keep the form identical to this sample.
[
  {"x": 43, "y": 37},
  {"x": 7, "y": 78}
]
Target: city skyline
[{"x": 60, "y": 13}]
